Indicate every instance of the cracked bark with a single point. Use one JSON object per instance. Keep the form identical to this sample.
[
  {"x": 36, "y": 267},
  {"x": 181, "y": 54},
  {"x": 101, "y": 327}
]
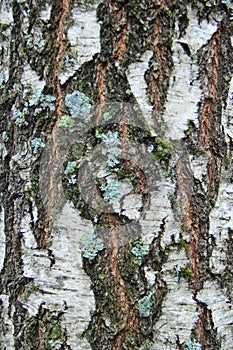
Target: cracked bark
[{"x": 175, "y": 61}]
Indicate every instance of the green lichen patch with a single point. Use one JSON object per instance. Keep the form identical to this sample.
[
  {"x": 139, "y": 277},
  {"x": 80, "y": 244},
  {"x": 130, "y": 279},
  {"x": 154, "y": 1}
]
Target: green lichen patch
[
  {"x": 30, "y": 333},
  {"x": 54, "y": 334},
  {"x": 186, "y": 273},
  {"x": 183, "y": 243},
  {"x": 162, "y": 150},
  {"x": 43, "y": 330}
]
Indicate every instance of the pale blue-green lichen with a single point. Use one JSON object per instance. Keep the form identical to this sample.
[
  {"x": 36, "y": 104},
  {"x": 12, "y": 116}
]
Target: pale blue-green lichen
[
  {"x": 70, "y": 167},
  {"x": 111, "y": 146},
  {"x": 193, "y": 345},
  {"x": 78, "y": 104},
  {"x": 36, "y": 99},
  {"x": 69, "y": 60},
  {"x": 145, "y": 305},
  {"x": 91, "y": 245},
  {"x": 34, "y": 42},
  {"x": 42, "y": 101},
  {"x": 37, "y": 143},
  {"x": 147, "y": 345},
  {"x": 5, "y": 137},
  {"x": 139, "y": 250},
  {"x": 112, "y": 190},
  {"x": 18, "y": 116},
  {"x": 66, "y": 122}
]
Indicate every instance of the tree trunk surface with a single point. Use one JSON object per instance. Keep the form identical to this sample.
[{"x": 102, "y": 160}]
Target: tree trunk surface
[{"x": 116, "y": 225}]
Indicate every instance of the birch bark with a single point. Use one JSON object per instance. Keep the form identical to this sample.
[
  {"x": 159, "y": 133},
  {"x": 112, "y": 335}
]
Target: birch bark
[{"x": 116, "y": 225}]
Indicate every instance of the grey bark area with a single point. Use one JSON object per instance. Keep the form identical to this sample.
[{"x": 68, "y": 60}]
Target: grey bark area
[{"x": 116, "y": 197}]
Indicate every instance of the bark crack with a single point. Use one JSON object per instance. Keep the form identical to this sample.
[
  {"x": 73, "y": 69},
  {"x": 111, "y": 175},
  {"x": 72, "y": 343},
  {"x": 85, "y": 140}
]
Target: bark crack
[
  {"x": 159, "y": 74},
  {"x": 190, "y": 224},
  {"x": 61, "y": 46},
  {"x": 207, "y": 118},
  {"x": 101, "y": 82},
  {"x": 117, "y": 53}
]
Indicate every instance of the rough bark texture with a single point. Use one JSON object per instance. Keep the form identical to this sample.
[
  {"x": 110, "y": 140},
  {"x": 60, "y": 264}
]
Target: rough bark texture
[{"x": 148, "y": 264}]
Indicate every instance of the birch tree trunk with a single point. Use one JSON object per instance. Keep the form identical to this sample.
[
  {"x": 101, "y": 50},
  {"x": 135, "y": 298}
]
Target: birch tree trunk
[{"x": 116, "y": 225}]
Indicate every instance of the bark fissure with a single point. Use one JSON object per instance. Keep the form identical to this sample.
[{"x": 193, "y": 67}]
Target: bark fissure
[
  {"x": 190, "y": 223},
  {"x": 210, "y": 127},
  {"x": 208, "y": 119},
  {"x": 158, "y": 74},
  {"x": 118, "y": 51},
  {"x": 127, "y": 310},
  {"x": 61, "y": 47}
]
